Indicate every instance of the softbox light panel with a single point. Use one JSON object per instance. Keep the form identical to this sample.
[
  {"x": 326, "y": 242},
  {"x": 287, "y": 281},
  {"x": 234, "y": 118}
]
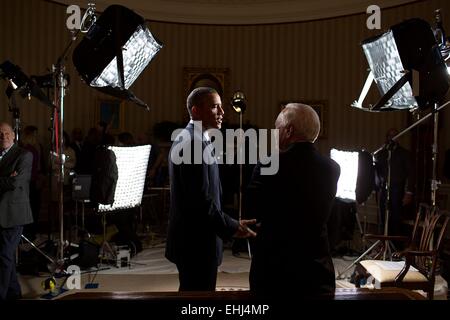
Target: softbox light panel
[
  {"x": 408, "y": 46},
  {"x": 132, "y": 165}
]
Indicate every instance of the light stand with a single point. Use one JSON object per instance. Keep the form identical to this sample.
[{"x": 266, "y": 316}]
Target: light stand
[
  {"x": 241, "y": 180},
  {"x": 106, "y": 247},
  {"x": 435, "y": 113},
  {"x": 434, "y": 182},
  {"x": 407, "y": 65},
  {"x": 12, "y": 107},
  {"x": 52, "y": 261},
  {"x": 59, "y": 94},
  {"x": 27, "y": 88},
  {"x": 16, "y": 116},
  {"x": 60, "y": 82},
  {"x": 58, "y": 69},
  {"x": 59, "y": 89},
  {"x": 239, "y": 105},
  {"x": 373, "y": 246},
  {"x": 387, "y": 198}
]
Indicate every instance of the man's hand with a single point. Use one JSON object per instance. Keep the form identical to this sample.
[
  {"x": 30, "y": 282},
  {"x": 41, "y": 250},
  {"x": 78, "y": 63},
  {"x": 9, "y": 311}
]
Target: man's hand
[{"x": 244, "y": 231}]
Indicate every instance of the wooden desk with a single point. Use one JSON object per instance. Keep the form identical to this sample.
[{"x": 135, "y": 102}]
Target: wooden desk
[{"x": 341, "y": 294}]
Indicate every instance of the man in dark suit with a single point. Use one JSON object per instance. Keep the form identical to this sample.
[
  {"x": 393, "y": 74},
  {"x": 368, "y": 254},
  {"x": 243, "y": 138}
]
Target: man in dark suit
[
  {"x": 197, "y": 224},
  {"x": 401, "y": 184},
  {"x": 291, "y": 252},
  {"x": 15, "y": 174}
]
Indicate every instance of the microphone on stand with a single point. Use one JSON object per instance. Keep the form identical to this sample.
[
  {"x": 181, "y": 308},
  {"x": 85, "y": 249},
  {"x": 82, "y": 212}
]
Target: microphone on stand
[
  {"x": 239, "y": 105},
  {"x": 238, "y": 102}
]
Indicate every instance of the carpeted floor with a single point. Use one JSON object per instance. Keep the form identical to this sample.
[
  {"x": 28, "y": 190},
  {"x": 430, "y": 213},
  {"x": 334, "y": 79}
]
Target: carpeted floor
[
  {"x": 152, "y": 261},
  {"x": 149, "y": 270}
]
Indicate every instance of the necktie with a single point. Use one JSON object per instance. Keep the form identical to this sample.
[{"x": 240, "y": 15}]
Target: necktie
[{"x": 210, "y": 148}]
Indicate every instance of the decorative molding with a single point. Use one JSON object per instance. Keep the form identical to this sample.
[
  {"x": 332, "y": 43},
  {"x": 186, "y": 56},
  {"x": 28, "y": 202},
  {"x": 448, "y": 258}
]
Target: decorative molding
[{"x": 242, "y": 12}]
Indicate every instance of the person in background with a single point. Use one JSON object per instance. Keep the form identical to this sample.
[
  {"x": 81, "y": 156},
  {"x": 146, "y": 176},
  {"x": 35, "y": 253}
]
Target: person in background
[
  {"x": 106, "y": 137},
  {"x": 401, "y": 183},
  {"x": 29, "y": 141},
  {"x": 90, "y": 145},
  {"x": 15, "y": 174},
  {"x": 125, "y": 139}
]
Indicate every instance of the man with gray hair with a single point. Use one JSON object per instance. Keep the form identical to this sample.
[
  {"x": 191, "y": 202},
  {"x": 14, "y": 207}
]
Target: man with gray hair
[
  {"x": 291, "y": 250},
  {"x": 15, "y": 174},
  {"x": 301, "y": 122}
]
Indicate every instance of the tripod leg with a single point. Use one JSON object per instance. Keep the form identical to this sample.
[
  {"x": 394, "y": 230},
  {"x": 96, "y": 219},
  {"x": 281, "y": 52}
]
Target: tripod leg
[
  {"x": 388, "y": 250},
  {"x": 339, "y": 276},
  {"x": 358, "y": 221},
  {"x": 39, "y": 250}
]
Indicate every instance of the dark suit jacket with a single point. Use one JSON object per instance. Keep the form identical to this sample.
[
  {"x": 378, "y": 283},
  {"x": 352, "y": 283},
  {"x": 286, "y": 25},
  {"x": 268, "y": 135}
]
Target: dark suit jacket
[
  {"x": 401, "y": 168},
  {"x": 14, "y": 191},
  {"x": 197, "y": 223},
  {"x": 291, "y": 251}
]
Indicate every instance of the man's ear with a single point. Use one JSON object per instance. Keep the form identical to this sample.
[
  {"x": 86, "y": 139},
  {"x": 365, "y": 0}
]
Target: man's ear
[
  {"x": 290, "y": 131},
  {"x": 195, "y": 112}
]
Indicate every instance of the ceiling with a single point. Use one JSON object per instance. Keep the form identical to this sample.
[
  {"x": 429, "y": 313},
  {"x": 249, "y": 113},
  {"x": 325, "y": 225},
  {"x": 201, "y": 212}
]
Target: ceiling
[{"x": 238, "y": 12}]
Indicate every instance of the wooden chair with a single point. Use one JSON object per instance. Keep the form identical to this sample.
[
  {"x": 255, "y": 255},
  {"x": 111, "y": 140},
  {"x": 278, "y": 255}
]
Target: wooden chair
[{"x": 416, "y": 266}]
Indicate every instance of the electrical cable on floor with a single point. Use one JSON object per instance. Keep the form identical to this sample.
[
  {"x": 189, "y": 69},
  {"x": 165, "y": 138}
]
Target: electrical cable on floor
[
  {"x": 92, "y": 281},
  {"x": 139, "y": 263}
]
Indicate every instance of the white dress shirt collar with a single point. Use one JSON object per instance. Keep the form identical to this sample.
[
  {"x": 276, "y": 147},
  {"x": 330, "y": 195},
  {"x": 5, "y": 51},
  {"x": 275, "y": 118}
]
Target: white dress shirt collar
[
  {"x": 205, "y": 133},
  {"x": 4, "y": 152}
]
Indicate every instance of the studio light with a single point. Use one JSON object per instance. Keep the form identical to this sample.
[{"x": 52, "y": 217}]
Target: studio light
[
  {"x": 115, "y": 51},
  {"x": 19, "y": 81},
  {"x": 357, "y": 179},
  {"x": 132, "y": 166},
  {"x": 348, "y": 161},
  {"x": 238, "y": 102},
  {"x": 407, "y": 66}
]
